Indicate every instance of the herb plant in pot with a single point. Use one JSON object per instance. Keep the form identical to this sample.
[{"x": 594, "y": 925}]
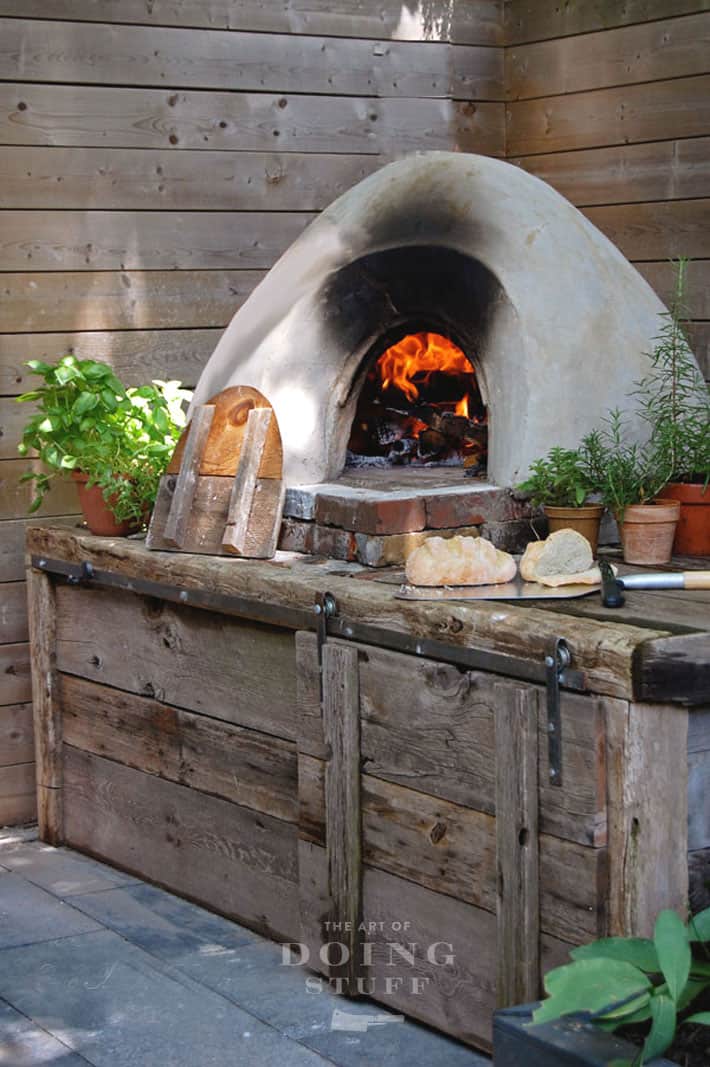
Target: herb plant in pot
[
  {"x": 622, "y": 1002},
  {"x": 629, "y": 477},
  {"x": 115, "y": 442},
  {"x": 675, "y": 401},
  {"x": 561, "y": 483}
]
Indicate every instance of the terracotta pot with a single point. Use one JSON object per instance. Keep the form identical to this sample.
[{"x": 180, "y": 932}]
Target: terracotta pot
[
  {"x": 97, "y": 512},
  {"x": 692, "y": 536},
  {"x": 648, "y": 530},
  {"x": 585, "y": 520}
]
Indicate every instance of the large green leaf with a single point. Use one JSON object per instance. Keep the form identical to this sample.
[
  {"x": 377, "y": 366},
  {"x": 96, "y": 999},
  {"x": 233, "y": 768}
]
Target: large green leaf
[
  {"x": 662, "y": 1029},
  {"x": 84, "y": 403},
  {"x": 699, "y": 926},
  {"x": 699, "y": 1017},
  {"x": 590, "y": 986},
  {"x": 637, "y": 950},
  {"x": 671, "y": 941}
]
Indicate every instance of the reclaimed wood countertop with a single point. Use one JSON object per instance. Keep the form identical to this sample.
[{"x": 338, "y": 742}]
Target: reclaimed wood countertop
[{"x": 655, "y": 648}]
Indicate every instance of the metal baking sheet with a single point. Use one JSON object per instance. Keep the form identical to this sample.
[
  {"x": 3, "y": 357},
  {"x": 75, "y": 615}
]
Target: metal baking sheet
[{"x": 515, "y": 590}]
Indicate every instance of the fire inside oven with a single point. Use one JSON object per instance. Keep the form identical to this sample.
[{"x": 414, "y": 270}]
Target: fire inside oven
[{"x": 420, "y": 405}]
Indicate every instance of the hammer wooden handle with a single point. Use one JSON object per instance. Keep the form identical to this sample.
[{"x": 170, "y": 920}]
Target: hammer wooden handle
[{"x": 696, "y": 579}]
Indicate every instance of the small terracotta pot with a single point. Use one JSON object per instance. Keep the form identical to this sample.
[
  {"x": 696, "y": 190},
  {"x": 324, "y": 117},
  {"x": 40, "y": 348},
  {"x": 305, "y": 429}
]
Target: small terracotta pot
[
  {"x": 648, "y": 530},
  {"x": 692, "y": 536},
  {"x": 585, "y": 520},
  {"x": 97, "y": 512}
]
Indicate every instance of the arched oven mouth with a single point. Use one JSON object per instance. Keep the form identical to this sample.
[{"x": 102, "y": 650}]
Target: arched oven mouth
[{"x": 419, "y": 404}]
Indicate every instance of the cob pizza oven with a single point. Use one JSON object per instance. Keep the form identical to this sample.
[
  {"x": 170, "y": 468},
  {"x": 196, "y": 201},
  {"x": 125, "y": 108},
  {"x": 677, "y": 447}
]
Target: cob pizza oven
[{"x": 450, "y": 316}]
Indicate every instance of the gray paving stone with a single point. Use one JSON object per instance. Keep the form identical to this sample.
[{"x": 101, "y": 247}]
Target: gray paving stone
[
  {"x": 23, "y": 1044},
  {"x": 29, "y": 914},
  {"x": 119, "y": 1007},
  {"x": 394, "y": 1045},
  {"x": 162, "y": 924},
  {"x": 255, "y": 978},
  {"x": 60, "y": 871}
]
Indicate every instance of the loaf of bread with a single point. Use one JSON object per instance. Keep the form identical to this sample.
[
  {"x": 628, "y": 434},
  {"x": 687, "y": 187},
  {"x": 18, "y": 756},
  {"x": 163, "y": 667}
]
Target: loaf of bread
[
  {"x": 564, "y": 558},
  {"x": 459, "y": 561}
]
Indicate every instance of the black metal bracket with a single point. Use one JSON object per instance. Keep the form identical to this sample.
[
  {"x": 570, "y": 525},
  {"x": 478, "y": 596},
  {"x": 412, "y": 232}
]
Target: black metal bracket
[
  {"x": 556, "y": 664},
  {"x": 326, "y": 607},
  {"x": 323, "y": 618}
]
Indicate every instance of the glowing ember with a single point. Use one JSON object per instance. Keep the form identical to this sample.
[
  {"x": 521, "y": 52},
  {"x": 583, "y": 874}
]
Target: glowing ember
[{"x": 417, "y": 356}]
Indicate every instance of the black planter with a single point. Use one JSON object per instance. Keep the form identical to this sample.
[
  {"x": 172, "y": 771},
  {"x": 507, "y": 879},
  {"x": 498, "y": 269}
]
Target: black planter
[{"x": 563, "y": 1043}]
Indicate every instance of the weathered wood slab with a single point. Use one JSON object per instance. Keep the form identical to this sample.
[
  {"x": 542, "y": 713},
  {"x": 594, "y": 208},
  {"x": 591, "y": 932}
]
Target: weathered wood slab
[
  {"x": 517, "y": 846},
  {"x": 602, "y": 652},
  {"x": 74, "y": 52},
  {"x": 256, "y": 501},
  {"x": 433, "y": 723},
  {"x": 226, "y": 438},
  {"x": 184, "y": 495},
  {"x": 459, "y": 22},
  {"x": 47, "y": 713},
  {"x": 658, "y": 666},
  {"x": 451, "y": 849},
  {"x": 447, "y": 980},
  {"x": 250, "y": 768},
  {"x": 16, "y": 735},
  {"x": 234, "y": 860},
  {"x": 18, "y": 794},
  {"x": 648, "y": 814},
  {"x": 240, "y": 672},
  {"x": 343, "y": 810}
]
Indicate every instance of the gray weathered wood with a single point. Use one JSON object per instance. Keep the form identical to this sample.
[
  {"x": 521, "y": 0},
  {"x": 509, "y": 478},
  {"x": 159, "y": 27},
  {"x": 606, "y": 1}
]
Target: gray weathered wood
[
  {"x": 92, "y": 115},
  {"x": 16, "y": 495},
  {"x": 113, "y": 300},
  {"x": 659, "y": 170},
  {"x": 209, "y": 514},
  {"x": 16, "y": 735},
  {"x": 604, "y": 654},
  {"x": 458, "y": 21},
  {"x": 537, "y": 20},
  {"x": 117, "y": 179},
  {"x": 451, "y": 849},
  {"x": 517, "y": 847},
  {"x": 47, "y": 712},
  {"x": 447, "y": 980},
  {"x": 13, "y": 612},
  {"x": 12, "y": 545},
  {"x": 15, "y": 673},
  {"x": 18, "y": 794},
  {"x": 648, "y": 814},
  {"x": 646, "y": 52},
  {"x": 184, "y": 495},
  {"x": 409, "y": 711},
  {"x": 237, "y": 671},
  {"x": 250, "y": 515},
  {"x": 156, "y": 240},
  {"x": 341, "y": 728},
  {"x": 236, "y": 861},
  {"x": 661, "y": 110},
  {"x": 72, "y": 52},
  {"x": 248, "y": 767}
]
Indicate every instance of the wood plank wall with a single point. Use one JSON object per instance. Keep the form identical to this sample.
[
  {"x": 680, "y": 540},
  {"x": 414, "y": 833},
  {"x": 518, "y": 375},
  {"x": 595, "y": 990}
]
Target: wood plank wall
[
  {"x": 156, "y": 156},
  {"x": 609, "y": 102}
]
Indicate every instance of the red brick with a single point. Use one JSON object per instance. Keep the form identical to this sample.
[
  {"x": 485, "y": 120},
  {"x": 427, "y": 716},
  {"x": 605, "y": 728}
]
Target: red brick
[
  {"x": 371, "y": 515},
  {"x": 444, "y": 510}
]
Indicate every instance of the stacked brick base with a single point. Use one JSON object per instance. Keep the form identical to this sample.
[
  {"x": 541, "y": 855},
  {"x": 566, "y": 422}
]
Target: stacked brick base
[{"x": 379, "y": 528}]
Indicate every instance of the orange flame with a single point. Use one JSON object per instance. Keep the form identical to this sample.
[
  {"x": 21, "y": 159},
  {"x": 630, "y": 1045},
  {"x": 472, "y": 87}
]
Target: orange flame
[{"x": 417, "y": 354}]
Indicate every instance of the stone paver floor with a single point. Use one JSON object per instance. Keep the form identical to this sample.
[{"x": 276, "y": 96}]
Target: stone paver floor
[{"x": 97, "y": 967}]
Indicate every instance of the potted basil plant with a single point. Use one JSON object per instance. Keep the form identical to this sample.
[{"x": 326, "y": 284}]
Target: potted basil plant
[
  {"x": 622, "y": 1002},
  {"x": 114, "y": 441},
  {"x": 562, "y": 482}
]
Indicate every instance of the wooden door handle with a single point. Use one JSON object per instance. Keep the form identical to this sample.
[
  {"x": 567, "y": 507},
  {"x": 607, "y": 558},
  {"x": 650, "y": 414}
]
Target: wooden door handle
[{"x": 696, "y": 579}]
